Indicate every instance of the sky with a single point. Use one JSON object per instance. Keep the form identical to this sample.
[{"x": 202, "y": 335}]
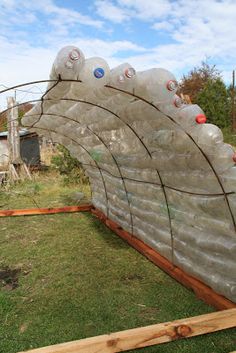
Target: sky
[{"x": 174, "y": 34}]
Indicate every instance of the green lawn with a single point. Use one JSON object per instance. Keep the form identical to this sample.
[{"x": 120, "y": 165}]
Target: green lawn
[
  {"x": 45, "y": 190},
  {"x": 78, "y": 279}
]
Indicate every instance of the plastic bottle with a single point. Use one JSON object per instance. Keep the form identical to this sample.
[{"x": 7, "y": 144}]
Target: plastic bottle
[
  {"x": 186, "y": 116},
  {"x": 172, "y": 108},
  {"x": 94, "y": 75},
  {"x": 123, "y": 77},
  {"x": 221, "y": 157},
  {"x": 33, "y": 115},
  {"x": 207, "y": 135},
  {"x": 66, "y": 66},
  {"x": 169, "y": 139},
  {"x": 156, "y": 85},
  {"x": 68, "y": 63},
  {"x": 95, "y": 72},
  {"x": 228, "y": 179}
]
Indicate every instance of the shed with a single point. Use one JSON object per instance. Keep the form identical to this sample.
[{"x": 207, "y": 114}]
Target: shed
[{"x": 29, "y": 148}]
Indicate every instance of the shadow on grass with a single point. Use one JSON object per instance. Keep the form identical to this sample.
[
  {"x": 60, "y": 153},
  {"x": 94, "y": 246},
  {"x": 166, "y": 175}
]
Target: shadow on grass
[{"x": 111, "y": 239}]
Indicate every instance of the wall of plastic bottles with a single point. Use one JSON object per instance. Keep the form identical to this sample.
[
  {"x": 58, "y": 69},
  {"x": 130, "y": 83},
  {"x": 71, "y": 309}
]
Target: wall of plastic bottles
[{"x": 156, "y": 167}]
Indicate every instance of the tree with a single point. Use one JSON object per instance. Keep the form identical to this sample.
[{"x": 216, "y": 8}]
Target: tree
[
  {"x": 192, "y": 83},
  {"x": 214, "y": 99},
  {"x": 206, "y": 88}
]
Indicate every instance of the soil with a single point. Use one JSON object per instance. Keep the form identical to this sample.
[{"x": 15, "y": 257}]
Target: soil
[{"x": 9, "y": 278}]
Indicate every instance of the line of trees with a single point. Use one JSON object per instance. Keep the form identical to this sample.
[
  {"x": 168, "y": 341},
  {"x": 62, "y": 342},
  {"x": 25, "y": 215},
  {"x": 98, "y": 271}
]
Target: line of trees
[{"x": 205, "y": 87}]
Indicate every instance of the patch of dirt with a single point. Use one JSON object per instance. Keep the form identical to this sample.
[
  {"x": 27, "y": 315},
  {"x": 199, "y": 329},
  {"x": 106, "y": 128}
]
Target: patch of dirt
[
  {"x": 9, "y": 278},
  {"x": 131, "y": 277}
]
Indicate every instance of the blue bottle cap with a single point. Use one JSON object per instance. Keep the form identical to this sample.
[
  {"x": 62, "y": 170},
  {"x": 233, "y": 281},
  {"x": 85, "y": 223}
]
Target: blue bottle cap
[{"x": 99, "y": 72}]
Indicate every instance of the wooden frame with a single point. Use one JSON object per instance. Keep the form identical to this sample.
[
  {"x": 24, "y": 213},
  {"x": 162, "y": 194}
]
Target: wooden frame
[
  {"x": 149, "y": 335},
  {"x": 44, "y": 211}
]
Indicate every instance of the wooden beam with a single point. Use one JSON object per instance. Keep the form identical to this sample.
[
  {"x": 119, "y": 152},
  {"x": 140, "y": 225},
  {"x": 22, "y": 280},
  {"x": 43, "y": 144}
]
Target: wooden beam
[
  {"x": 13, "y": 132},
  {"x": 201, "y": 290},
  {"x": 147, "y": 336},
  {"x": 44, "y": 211}
]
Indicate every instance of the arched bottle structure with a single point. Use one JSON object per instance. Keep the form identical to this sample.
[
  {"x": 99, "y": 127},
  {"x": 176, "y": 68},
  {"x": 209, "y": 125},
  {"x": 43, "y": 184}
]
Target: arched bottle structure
[{"x": 156, "y": 166}]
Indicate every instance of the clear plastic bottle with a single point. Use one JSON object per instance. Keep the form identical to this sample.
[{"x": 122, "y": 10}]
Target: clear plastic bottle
[
  {"x": 228, "y": 179},
  {"x": 186, "y": 116},
  {"x": 157, "y": 85},
  {"x": 32, "y": 116},
  {"x": 95, "y": 72},
  {"x": 68, "y": 63},
  {"x": 221, "y": 157},
  {"x": 123, "y": 77},
  {"x": 169, "y": 139},
  {"x": 94, "y": 76},
  {"x": 172, "y": 108},
  {"x": 207, "y": 135}
]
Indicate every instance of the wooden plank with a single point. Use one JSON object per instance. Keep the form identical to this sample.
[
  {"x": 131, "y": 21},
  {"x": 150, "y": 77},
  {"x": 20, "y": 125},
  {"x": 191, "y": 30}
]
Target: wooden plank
[
  {"x": 201, "y": 290},
  {"x": 44, "y": 211},
  {"x": 147, "y": 336}
]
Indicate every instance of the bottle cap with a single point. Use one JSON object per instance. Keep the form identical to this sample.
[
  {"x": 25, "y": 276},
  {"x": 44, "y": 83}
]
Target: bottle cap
[
  {"x": 99, "y": 72},
  {"x": 130, "y": 72},
  {"x": 178, "y": 102},
  {"x": 234, "y": 157},
  {"x": 172, "y": 85},
  {"x": 74, "y": 55},
  {"x": 201, "y": 119}
]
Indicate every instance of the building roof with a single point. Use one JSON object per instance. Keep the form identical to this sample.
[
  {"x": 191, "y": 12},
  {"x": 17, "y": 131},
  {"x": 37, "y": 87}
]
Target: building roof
[{"x": 22, "y": 132}]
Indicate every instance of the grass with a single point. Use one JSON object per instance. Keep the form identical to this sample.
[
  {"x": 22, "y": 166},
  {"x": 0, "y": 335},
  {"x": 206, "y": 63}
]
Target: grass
[
  {"x": 47, "y": 189},
  {"x": 229, "y": 137},
  {"x": 78, "y": 279}
]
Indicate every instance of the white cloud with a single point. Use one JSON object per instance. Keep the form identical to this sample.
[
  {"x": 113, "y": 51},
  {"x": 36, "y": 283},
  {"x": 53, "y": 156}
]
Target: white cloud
[
  {"x": 109, "y": 11},
  {"x": 147, "y": 9},
  {"x": 120, "y": 10},
  {"x": 66, "y": 16},
  {"x": 163, "y": 25},
  {"x": 198, "y": 29},
  {"x": 25, "y": 10},
  {"x": 21, "y": 62}
]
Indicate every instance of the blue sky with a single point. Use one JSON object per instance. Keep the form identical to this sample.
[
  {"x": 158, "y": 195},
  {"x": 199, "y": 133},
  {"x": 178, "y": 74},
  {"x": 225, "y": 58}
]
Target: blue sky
[{"x": 174, "y": 34}]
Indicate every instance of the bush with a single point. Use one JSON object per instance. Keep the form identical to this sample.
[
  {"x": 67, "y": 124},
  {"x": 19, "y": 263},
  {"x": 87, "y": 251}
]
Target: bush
[
  {"x": 69, "y": 167},
  {"x": 215, "y": 101}
]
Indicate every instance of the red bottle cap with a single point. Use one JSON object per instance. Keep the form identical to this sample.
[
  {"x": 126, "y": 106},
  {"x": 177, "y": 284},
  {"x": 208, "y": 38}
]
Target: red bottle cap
[{"x": 201, "y": 119}]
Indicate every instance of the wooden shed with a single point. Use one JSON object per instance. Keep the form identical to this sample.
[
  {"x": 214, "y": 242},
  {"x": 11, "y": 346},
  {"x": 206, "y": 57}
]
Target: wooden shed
[{"x": 29, "y": 148}]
